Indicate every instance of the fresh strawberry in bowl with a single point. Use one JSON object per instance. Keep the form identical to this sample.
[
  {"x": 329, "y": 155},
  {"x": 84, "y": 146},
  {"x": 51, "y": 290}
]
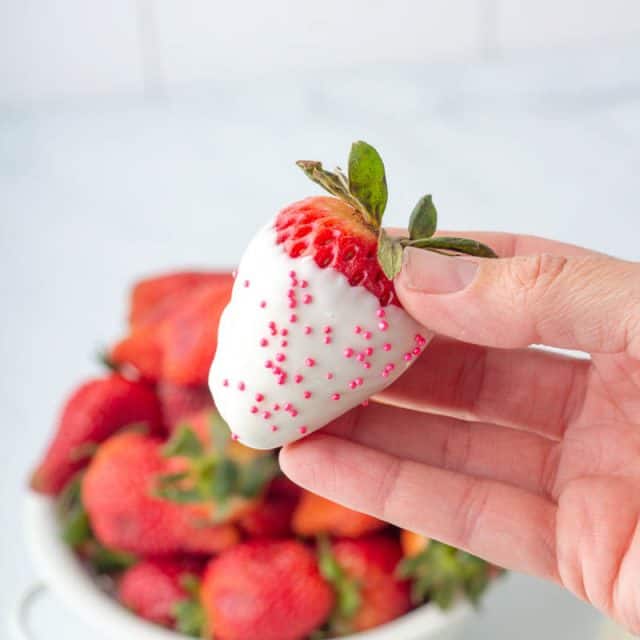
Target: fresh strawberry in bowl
[{"x": 314, "y": 326}]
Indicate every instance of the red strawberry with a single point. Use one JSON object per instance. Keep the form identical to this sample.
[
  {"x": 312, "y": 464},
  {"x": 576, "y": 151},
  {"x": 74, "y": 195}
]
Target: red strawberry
[
  {"x": 314, "y": 325},
  {"x": 272, "y": 517},
  {"x": 178, "y": 347},
  {"x": 158, "y": 589},
  {"x": 95, "y": 411},
  {"x": 120, "y": 492},
  {"x": 179, "y": 401},
  {"x": 363, "y": 572},
  {"x": 270, "y": 590},
  {"x": 315, "y": 515},
  {"x": 153, "y": 299}
]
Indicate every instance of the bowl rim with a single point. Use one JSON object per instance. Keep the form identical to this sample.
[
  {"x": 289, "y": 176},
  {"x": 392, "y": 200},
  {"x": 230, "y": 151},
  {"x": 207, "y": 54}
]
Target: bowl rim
[{"x": 64, "y": 574}]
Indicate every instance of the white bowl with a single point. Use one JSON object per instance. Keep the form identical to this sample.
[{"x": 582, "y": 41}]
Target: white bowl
[{"x": 61, "y": 571}]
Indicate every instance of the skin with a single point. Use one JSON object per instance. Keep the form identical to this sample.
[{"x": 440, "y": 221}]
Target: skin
[{"x": 524, "y": 457}]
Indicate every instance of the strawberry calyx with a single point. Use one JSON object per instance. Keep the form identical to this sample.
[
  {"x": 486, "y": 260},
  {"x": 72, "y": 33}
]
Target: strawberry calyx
[
  {"x": 347, "y": 590},
  {"x": 364, "y": 188},
  {"x": 189, "y": 613},
  {"x": 209, "y": 474},
  {"x": 442, "y": 574}
]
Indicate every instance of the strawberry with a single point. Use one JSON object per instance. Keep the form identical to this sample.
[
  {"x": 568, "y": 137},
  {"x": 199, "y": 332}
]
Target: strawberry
[
  {"x": 122, "y": 492},
  {"x": 314, "y": 326},
  {"x": 315, "y": 515},
  {"x": 95, "y": 411},
  {"x": 272, "y": 517},
  {"x": 440, "y": 573},
  {"x": 363, "y": 574},
  {"x": 153, "y": 299},
  {"x": 265, "y": 589},
  {"x": 179, "y": 401},
  {"x": 179, "y": 344},
  {"x": 162, "y": 591}
]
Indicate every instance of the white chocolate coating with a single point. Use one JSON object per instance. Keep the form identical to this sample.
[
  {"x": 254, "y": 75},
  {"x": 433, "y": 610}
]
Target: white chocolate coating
[{"x": 329, "y": 346}]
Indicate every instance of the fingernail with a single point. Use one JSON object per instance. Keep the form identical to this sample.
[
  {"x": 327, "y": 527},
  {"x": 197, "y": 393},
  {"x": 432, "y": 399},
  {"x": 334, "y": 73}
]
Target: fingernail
[{"x": 435, "y": 273}]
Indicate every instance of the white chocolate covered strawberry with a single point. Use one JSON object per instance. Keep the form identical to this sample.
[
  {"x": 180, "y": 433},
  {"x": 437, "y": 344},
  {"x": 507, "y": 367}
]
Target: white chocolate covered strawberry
[{"x": 314, "y": 327}]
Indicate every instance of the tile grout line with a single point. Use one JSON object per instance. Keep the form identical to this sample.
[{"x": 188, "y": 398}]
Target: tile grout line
[{"x": 149, "y": 49}]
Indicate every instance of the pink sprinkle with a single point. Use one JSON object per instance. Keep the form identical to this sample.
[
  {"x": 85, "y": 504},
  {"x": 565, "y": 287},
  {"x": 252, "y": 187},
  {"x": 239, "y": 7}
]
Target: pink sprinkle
[
  {"x": 310, "y": 362},
  {"x": 335, "y": 396},
  {"x": 327, "y": 329},
  {"x": 280, "y": 357},
  {"x": 357, "y": 329},
  {"x": 287, "y": 406},
  {"x": 282, "y": 378},
  {"x": 254, "y": 409},
  {"x": 367, "y": 335},
  {"x": 306, "y": 298},
  {"x": 327, "y": 339},
  {"x": 380, "y": 313},
  {"x": 225, "y": 383},
  {"x": 304, "y": 284},
  {"x": 291, "y": 293},
  {"x": 329, "y": 376},
  {"x": 284, "y": 332},
  {"x": 307, "y": 394},
  {"x": 360, "y": 357},
  {"x": 272, "y": 325},
  {"x": 294, "y": 282},
  {"x": 383, "y": 325},
  {"x": 420, "y": 339},
  {"x": 386, "y": 346},
  {"x": 292, "y": 305},
  {"x": 263, "y": 304},
  {"x": 416, "y": 351},
  {"x": 407, "y": 357},
  {"x": 284, "y": 343},
  {"x": 246, "y": 283},
  {"x": 292, "y": 274},
  {"x": 368, "y": 351},
  {"x": 277, "y": 371},
  {"x": 390, "y": 366},
  {"x": 259, "y": 397},
  {"x": 264, "y": 342},
  {"x": 385, "y": 373},
  {"x": 241, "y": 386},
  {"x": 307, "y": 330},
  {"x": 293, "y": 317},
  {"x": 359, "y": 381},
  {"x": 273, "y": 427},
  {"x": 234, "y": 436},
  {"x": 273, "y": 332},
  {"x": 276, "y": 407},
  {"x": 366, "y": 365},
  {"x": 294, "y": 413},
  {"x": 303, "y": 430},
  {"x": 266, "y": 415},
  {"x": 353, "y": 384},
  {"x": 364, "y": 403},
  {"x": 298, "y": 378},
  {"x": 348, "y": 352}
]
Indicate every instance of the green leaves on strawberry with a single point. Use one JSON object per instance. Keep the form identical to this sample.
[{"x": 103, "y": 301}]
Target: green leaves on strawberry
[
  {"x": 441, "y": 574},
  {"x": 365, "y": 189},
  {"x": 213, "y": 473},
  {"x": 189, "y": 613}
]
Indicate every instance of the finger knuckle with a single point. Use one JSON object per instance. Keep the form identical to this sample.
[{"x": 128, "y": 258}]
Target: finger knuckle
[{"x": 537, "y": 273}]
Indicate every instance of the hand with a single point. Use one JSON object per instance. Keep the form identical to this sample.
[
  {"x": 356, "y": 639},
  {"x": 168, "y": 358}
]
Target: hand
[{"x": 521, "y": 456}]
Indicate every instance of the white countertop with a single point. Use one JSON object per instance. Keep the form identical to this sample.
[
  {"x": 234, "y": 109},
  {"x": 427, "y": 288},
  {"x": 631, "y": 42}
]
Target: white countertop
[{"x": 96, "y": 193}]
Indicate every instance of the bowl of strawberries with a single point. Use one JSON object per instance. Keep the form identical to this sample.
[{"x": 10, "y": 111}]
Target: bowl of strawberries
[{"x": 150, "y": 521}]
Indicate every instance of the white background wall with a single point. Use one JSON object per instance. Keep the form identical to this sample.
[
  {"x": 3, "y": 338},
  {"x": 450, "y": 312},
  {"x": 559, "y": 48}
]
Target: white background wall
[{"x": 71, "y": 48}]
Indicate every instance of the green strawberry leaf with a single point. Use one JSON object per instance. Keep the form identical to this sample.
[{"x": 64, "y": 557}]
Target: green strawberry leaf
[
  {"x": 104, "y": 560},
  {"x": 423, "y": 220},
  {"x": 443, "y": 244},
  {"x": 190, "y": 583},
  {"x": 106, "y": 361},
  {"x": 367, "y": 180},
  {"x": 334, "y": 183},
  {"x": 256, "y": 474},
  {"x": 190, "y": 617},
  {"x": 220, "y": 433},
  {"x": 389, "y": 254},
  {"x": 225, "y": 480},
  {"x": 76, "y": 528},
  {"x": 184, "y": 442}
]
